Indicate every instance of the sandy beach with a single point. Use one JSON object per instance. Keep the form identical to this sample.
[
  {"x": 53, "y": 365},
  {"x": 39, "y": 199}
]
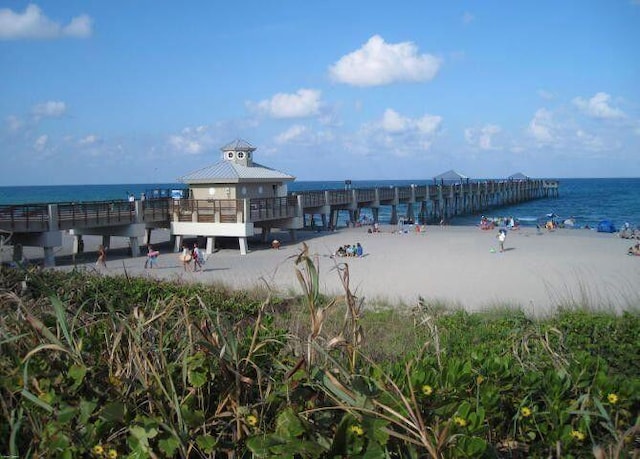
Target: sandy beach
[{"x": 459, "y": 266}]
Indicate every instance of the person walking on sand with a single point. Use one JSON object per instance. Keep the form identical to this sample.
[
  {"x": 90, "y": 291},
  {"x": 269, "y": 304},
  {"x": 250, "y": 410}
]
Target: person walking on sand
[
  {"x": 185, "y": 257},
  {"x": 101, "y": 262},
  {"x": 198, "y": 258},
  {"x": 502, "y": 236},
  {"x": 152, "y": 257}
]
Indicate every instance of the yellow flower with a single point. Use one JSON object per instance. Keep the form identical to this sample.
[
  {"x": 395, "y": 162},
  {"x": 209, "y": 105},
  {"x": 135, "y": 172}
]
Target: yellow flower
[
  {"x": 252, "y": 420},
  {"x": 613, "y": 398},
  {"x": 427, "y": 389},
  {"x": 525, "y": 411},
  {"x": 462, "y": 422},
  {"x": 479, "y": 379},
  {"x": 98, "y": 449},
  {"x": 356, "y": 430},
  {"x": 578, "y": 435},
  {"x": 112, "y": 454}
]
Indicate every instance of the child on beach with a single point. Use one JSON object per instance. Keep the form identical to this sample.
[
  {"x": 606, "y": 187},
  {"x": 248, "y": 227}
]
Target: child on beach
[
  {"x": 502, "y": 236},
  {"x": 185, "y": 257},
  {"x": 101, "y": 262},
  {"x": 198, "y": 257},
  {"x": 152, "y": 257}
]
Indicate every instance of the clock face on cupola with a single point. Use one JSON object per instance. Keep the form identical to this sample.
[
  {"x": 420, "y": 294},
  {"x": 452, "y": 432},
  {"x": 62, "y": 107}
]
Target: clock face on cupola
[{"x": 239, "y": 152}]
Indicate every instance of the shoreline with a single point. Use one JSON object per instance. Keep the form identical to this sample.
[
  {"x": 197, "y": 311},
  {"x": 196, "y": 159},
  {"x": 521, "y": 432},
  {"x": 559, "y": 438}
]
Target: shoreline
[{"x": 458, "y": 266}]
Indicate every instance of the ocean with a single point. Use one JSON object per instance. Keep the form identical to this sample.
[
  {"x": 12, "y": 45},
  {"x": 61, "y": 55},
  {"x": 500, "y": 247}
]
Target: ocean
[{"x": 587, "y": 201}]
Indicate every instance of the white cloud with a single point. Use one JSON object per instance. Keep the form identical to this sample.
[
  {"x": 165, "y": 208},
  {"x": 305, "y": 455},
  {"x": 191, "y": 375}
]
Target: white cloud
[
  {"x": 89, "y": 140},
  {"x": 541, "y": 127},
  {"x": 41, "y": 142},
  {"x": 379, "y": 63},
  {"x": 544, "y": 94},
  {"x": 14, "y": 123},
  {"x": 467, "y": 18},
  {"x": 292, "y": 134},
  {"x": 392, "y": 122},
  {"x": 598, "y": 106},
  {"x": 50, "y": 109},
  {"x": 482, "y": 138},
  {"x": 33, "y": 24},
  {"x": 303, "y": 104},
  {"x": 192, "y": 140},
  {"x": 429, "y": 124},
  {"x": 589, "y": 141}
]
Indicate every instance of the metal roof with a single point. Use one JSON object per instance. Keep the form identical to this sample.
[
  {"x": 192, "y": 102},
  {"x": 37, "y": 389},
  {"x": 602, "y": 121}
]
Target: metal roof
[
  {"x": 231, "y": 172},
  {"x": 450, "y": 175},
  {"x": 238, "y": 145}
]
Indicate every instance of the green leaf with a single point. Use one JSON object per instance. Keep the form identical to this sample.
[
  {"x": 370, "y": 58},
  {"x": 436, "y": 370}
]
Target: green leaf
[
  {"x": 288, "y": 424},
  {"x": 168, "y": 446},
  {"x": 86, "y": 409},
  {"x": 206, "y": 443},
  {"x": 77, "y": 373},
  {"x": 197, "y": 378},
  {"x": 113, "y": 412}
]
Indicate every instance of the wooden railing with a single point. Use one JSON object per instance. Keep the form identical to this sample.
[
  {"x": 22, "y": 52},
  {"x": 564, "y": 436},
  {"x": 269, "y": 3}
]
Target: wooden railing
[{"x": 90, "y": 214}]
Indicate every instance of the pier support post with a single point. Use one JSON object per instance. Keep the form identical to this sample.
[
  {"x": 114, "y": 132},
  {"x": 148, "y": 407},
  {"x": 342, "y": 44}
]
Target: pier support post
[
  {"x": 211, "y": 242},
  {"x": 324, "y": 221},
  {"x": 394, "y": 215},
  {"x": 147, "y": 236},
  {"x": 135, "y": 246},
  {"x": 376, "y": 213},
  {"x": 106, "y": 240},
  {"x": 178, "y": 242},
  {"x": 242, "y": 241},
  {"x": 78, "y": 244},
  {"x": 293, "y": 234},
  {"x": 49, "y": 258}
]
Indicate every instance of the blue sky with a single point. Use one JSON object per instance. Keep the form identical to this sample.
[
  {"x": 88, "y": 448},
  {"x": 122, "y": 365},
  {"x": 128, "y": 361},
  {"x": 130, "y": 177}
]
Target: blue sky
[{"x": 146, "y": 91}]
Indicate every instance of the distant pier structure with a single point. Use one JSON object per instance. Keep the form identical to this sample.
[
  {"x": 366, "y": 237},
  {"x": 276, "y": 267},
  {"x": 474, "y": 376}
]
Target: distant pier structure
[{"x": 239, "y": 198}]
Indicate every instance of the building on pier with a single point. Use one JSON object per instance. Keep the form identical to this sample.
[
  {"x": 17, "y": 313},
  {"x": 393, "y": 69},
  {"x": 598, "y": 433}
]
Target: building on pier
[{"x": 232, "y": 198}]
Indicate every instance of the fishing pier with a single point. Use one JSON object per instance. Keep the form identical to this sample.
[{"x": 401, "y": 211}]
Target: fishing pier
[{"x": 41, "y": 225}]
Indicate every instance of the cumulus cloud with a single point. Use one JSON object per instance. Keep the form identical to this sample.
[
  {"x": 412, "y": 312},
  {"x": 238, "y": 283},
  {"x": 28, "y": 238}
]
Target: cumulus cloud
[
  {"x": 482, "y": 138},
  {"x": 33, "y": 24},
  {"x": 398, "y": 134},
  {"x": 14, "y": 123},
  {"x": 41, "y": 143},
  {"x": 192, "y": 140},
  {"x": 379, "y": 63},
  {"x": 541, "y": 127},
  {"x": 598, "y": 106},
  {"x": 292, "y": 134},
  {"x": 50, "y": 109},
  {"x": 302, "y": 104},
  {"x": 88, "y": 140}
]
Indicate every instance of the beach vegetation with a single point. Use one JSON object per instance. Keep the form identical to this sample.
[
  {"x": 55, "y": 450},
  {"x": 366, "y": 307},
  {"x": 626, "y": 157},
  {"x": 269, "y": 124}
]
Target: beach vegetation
[{"x": 119, "y": 366}]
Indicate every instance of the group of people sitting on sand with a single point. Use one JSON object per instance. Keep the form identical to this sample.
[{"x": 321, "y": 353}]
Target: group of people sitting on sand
[
  {"x": 349, "y": 250},
  {"x": 508, "y": 222},
  {"x": 627, "y": 232}
]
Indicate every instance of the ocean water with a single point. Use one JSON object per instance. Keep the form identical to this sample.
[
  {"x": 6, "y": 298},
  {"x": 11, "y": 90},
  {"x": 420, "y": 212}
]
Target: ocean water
[{"x": 587, "y": 201}]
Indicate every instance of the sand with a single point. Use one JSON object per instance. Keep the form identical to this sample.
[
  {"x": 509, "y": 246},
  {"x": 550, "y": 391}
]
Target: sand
[{"x": 458, "y": 266}]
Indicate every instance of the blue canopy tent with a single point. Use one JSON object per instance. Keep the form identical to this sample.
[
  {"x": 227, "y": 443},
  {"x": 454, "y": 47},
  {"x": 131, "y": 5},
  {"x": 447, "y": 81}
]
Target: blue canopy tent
[{"x": 606, "y": 226}]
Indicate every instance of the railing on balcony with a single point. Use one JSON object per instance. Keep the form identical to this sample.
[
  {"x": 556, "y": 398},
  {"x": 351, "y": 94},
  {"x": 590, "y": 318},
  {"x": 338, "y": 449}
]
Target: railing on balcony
[
  {"x": 208, "y": 210},
  {"x": 155, "y": 210},
  {"x": 262, "y": 209}
]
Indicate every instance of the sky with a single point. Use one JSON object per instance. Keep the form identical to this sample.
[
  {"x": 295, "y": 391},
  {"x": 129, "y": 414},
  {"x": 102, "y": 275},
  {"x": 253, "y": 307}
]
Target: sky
[{"x": 96, "y": 92}]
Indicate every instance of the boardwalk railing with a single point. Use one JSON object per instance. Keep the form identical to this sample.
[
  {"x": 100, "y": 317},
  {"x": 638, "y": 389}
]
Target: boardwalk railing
[{"x": 444, "y": 199}]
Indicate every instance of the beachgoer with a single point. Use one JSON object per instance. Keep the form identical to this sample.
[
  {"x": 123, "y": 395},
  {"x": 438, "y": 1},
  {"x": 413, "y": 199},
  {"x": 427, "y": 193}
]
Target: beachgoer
[
  {"x": 152, "y": 257},
  {"x": 275, "y": 244},
  {"x": 634, "y": 250},
  {"x": 185, "y": 257},
  {"x": 502, "y": 236},
  {"x": 198, "y": 258},
  {"x": 102, "y": 257},
  {"x": 359, "y": 250}
]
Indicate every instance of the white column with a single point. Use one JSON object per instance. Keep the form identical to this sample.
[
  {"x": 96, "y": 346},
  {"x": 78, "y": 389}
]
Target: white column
[
  {"x": 135, "y": 246},
  {"x": 243, "y": 245},
  {"x": 211, "y": 243}
]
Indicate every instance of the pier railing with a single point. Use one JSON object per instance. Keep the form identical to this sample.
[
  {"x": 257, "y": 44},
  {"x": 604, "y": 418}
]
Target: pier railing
[
  {"x": 28, "y": 217},
  {"x": 90, "y": 214}
]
